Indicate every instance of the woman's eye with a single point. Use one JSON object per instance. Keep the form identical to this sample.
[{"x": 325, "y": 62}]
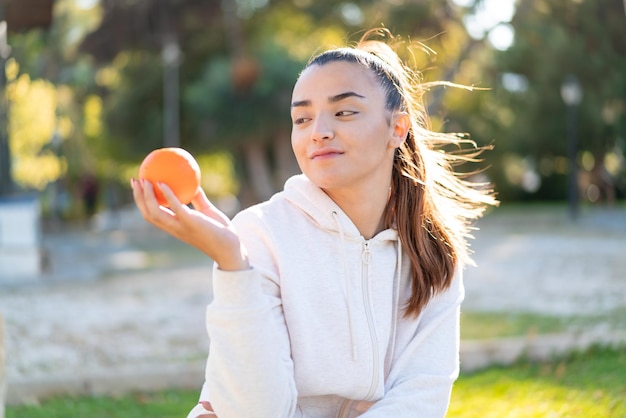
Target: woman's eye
[
  {"x": 346, "y": 113},
  {"x": 300, "y": 121}
]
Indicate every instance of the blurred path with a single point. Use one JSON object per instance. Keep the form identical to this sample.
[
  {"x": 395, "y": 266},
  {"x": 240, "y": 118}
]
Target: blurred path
[
  {"x": 124, "y": 308},
  {"x": 119, "y": 307},
  {"x": 542, "y": 262}
]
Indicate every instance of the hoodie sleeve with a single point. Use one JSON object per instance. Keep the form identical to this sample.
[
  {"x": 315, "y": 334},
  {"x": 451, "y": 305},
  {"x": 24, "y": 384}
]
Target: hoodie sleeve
[
  {"x": 249, "y": 370},
  {"x": 420, "y": 380}
]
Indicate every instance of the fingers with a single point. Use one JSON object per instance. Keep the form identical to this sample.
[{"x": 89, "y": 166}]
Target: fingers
[
  {"x": 202, "y": 204},
  {"x": 143, "y": 194},
  {"x": 145, "y": 199},
  {"x": 200, "y": 201},
  {"x": 207, "y": 406},
  {"x": 137, "y": 193},
  {"x": 178, "y": 219},
  {"x": 173, "y": 202},
  {"x": 185, "y": 215},
  {"x": 139, "y": 197},
  {"x": 208, "y": 229}
]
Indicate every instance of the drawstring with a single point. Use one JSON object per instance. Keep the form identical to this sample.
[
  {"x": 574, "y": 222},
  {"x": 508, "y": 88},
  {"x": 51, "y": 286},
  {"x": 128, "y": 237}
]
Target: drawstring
[
  {"x": 391, "y": 352},
  {"x": 355, "y": 354},
  {"x": 396, "y": 305}
]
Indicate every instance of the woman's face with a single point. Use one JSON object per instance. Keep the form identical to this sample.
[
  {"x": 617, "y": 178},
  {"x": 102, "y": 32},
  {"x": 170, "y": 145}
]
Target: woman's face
[{"x": 342, "y": 135}]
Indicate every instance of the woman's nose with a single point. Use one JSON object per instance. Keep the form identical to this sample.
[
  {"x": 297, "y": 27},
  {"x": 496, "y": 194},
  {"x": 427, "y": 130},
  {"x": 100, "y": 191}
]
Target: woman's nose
[{"x": 322, "y": 129}]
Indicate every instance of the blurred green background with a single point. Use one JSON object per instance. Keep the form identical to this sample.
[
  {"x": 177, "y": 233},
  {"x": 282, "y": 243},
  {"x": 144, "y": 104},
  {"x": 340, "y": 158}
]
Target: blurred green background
[{"x": 92, "y": 86}]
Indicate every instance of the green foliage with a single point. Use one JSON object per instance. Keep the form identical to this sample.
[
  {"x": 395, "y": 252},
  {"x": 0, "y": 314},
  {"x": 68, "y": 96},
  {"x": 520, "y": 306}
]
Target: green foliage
[
  {"x": 586, "y": 384},
  {"x": 554, "y": 39},
  {"x": 227, "y": 117},
  {"x": 133, "y": 106},
  {"x": 32, "y": 125},
  {"x": 45, "y": 92}
]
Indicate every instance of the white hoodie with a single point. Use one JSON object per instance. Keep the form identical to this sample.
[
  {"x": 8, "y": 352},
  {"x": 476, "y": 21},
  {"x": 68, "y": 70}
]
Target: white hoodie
[{"x": 316, "y": 328}]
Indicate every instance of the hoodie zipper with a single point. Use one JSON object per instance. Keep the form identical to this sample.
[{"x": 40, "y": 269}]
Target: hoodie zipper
[{"x": 366, "y": 257}]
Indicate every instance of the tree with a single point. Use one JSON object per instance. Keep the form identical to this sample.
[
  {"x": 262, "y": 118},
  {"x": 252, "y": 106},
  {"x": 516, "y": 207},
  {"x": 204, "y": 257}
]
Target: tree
[
  {"x": 283, "y": 36},
  {"x": 555, "y": 38},
  {"x": 32, "y": 124},
  {"x": 15, "y": 17},
  {"x": 265, "y": 44}
]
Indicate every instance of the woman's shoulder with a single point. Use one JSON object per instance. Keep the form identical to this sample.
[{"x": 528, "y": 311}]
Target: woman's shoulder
[
  {"x": 268, "y": 209},
  {"x": 299, "y": 195},
  {"x": 267, "y": 218}
]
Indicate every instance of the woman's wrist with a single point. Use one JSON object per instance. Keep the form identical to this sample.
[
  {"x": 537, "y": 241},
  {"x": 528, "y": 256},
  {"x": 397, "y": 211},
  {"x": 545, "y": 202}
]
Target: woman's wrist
[{"x": 237, "y": 264}]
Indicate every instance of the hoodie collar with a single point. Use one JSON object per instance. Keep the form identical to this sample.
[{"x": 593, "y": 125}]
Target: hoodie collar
[{"x": 316, "y": 204}]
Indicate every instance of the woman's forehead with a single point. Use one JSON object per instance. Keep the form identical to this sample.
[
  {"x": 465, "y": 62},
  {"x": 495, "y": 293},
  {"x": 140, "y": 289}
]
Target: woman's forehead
[{"x": 335, "y": 78}]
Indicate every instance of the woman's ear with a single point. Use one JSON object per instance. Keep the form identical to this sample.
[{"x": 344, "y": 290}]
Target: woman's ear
[{"x": 401, "y": 123}]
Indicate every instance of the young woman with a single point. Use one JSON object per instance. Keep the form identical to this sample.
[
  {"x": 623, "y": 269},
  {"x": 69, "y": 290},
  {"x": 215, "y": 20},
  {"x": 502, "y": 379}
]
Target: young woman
[{"x": 339, "y": 297}]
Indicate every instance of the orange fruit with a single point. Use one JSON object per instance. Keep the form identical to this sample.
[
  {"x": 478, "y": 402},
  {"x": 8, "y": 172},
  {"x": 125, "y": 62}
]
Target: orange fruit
[{"x": 175, "y": 167}]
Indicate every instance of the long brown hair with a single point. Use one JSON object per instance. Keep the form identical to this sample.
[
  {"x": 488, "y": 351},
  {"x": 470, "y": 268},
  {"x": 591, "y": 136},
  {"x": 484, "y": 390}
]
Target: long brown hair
[{"x": 431, "y": 205}]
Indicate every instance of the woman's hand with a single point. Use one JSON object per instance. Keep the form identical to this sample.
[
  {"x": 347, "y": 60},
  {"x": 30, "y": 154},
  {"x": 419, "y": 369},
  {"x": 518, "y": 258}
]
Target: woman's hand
[{"x": 204, "y": 227}]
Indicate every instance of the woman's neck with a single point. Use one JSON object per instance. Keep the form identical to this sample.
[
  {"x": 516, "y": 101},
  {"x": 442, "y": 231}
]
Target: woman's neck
[{"x": 365, "y": 210}]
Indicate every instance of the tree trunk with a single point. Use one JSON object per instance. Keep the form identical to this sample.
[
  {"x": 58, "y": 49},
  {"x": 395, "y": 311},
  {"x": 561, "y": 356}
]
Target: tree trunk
[
  {"x": 258, "y": 171},
  {"x": 286, "y": 164}
]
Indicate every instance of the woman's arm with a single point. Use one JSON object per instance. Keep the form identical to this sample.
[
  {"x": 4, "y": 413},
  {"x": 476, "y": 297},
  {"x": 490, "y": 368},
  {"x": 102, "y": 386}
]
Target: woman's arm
[{"x": 249, "y": 369}]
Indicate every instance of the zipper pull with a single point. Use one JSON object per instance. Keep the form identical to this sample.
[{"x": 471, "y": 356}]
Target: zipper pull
[{"x": 366, "y": 255}]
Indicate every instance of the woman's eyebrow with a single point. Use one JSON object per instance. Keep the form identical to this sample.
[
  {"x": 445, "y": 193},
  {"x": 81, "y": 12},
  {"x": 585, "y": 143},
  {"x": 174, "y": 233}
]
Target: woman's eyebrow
[
  {"x": 331, "y": 99},
  {"x": 301, "y": 103},
  {"x": 342, "y": 96}
]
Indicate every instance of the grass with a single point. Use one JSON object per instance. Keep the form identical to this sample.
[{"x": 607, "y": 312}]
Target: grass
[
  {"x": 168, "y": 404},
  {"x": 485, "y": 325},
  {"x": 586, "y": 385}
]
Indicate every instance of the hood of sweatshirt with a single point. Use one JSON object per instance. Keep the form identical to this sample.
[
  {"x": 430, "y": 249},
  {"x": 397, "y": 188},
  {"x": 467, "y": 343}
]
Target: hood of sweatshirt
[{"x": 323, "y": 211}]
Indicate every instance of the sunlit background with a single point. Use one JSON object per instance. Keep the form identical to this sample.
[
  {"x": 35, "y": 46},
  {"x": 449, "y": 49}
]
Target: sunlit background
[
  {"x": 90, "y": 87},
  {"x": 91, "y": 91}
]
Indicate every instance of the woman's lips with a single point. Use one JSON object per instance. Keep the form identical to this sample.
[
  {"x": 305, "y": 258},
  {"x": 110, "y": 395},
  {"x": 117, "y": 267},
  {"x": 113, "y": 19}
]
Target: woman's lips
[{"x": 325, "y": 153}]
